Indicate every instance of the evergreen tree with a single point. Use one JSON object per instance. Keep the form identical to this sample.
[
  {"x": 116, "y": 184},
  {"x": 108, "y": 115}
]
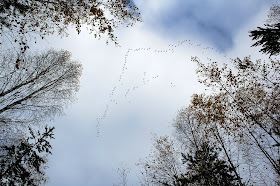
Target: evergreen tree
[
  {"x": 268, "y": 38},
  {"x": 24, "y": 163},
  {"x": 205, "y": 168}
]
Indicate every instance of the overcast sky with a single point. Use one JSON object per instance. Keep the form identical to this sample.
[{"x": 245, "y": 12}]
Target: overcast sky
[{"x": 131, "y": 92}]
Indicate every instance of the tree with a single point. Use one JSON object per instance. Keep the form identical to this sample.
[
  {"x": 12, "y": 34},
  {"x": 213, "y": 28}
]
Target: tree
[
  {"x": 239, "y": 115},
  {"x": 30, "y": 93},
  {"x": 269, "y": 37},
  {"x": 245, "y": 100},
  {"x": 24, "y": 162},
  {"x": 163, "y": 165},
  {"x": 21, "y": 19},
  {"x": 122, "y": 172},
  {"x": 193, "y": 134},
  {"x": 245, "y": 104},
  {"x": 205, "y": 168},
  {"x": 37, "y": 89},
  {"x": 201, "y": 166}
]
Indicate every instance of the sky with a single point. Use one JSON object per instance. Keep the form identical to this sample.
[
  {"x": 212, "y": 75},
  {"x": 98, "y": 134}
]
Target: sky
[{"x": 131, "y": 92}]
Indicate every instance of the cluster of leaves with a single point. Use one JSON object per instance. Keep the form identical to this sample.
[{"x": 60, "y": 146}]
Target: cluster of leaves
[
  {"x": 23, "y": 163},
  {"x": 21, "y": 19}
]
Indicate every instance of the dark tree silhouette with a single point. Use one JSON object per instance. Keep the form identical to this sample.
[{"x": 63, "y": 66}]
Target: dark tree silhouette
[
  {"x": 205, "y": 168},
  {"x": 268, "y": 38},
  {"x": 23, "y": 163}
]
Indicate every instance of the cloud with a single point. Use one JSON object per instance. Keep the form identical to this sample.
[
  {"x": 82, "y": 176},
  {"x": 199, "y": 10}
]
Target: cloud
[{"x": 208, "y": 21}]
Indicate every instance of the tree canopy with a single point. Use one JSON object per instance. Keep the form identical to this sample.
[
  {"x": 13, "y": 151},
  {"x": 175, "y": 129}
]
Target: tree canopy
[
  {"x": 39, "y": 88},
  {"x": 21, "y": 20}
]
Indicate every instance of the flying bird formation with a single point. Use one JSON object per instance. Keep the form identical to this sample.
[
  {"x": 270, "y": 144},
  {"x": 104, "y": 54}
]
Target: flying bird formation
[{"x": 145, "y": 80}]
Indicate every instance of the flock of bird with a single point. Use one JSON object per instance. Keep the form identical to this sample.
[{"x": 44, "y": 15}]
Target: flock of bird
[{"x": 171, "y": 49}]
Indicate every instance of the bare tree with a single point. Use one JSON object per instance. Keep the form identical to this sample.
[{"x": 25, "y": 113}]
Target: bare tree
[
  {"x": 122, "y": 172},
  {"x": 163, "y": 165},
  {"x": 39, "y": 88}
]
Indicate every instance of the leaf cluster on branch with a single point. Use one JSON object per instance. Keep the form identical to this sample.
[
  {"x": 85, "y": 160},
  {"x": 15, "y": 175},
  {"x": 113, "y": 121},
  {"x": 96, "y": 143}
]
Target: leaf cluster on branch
[
  {"x": 21, "y": 20},
  {"x": 24, "y": 162}
]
